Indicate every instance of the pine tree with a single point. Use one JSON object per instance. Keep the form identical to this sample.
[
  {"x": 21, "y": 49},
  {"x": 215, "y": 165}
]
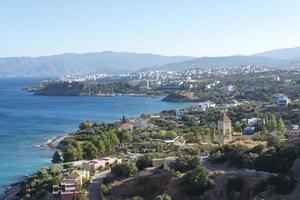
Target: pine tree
[
  {"x": 124, "y": 120},
  {"x": 56, "y": 157}
]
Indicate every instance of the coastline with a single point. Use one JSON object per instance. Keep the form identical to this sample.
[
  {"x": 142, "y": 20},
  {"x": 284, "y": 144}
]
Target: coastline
[
  {"x": 54, "y": 142},
  {"x": 12, "y": 190}
]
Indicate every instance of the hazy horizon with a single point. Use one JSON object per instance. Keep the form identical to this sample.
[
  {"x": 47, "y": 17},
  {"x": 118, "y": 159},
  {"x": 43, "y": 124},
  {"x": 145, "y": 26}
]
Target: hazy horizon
[{"x": 150, "y": 53}]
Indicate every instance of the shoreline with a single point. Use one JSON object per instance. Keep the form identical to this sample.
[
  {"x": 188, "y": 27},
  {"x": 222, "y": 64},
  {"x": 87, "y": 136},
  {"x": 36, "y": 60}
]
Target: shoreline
[
  {"x": 51, "y": 143},
  {"x": 12, "y": 189},
  {"x": 54, "y": 142}
]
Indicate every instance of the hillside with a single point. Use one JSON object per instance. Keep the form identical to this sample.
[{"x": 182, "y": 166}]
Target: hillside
[
  {"x": 71, "y": 63},
  {"x": 287, "y": 53},
  {"x": 120, "y": 62},
  {"x": 229, "y": 61}
]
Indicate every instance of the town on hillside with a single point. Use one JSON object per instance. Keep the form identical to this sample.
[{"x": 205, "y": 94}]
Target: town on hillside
[{"x": 239, "y": 139}]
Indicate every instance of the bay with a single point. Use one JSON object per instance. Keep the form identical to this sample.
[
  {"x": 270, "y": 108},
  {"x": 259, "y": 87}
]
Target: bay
[{"x": 27, "y": 120}]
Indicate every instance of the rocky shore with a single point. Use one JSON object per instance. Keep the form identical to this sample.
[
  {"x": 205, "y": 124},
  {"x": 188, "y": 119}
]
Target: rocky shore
[
  {"x": 180, "y": 97},
  {"x": 13, "y": 189},
  {"x": 54, "y": 143}
]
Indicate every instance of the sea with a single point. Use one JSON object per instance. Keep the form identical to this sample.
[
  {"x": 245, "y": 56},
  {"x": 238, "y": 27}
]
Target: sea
[{"x": 26, "y": 121}]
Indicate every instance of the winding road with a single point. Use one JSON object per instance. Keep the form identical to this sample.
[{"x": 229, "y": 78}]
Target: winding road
[{"x": 94, "y": 192}]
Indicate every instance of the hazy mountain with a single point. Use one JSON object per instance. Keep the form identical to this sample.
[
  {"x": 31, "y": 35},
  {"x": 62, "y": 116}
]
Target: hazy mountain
[
  {"x": 227, "y": 61},
  {"x": 71, "y": 63},
  {"x": 287, "y": 53},
  {"x": 277, "y": 58},
  {"x": 119, "y": 62}
]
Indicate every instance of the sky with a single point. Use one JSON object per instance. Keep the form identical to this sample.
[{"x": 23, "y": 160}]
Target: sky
[{"x": 167, "y": 27}]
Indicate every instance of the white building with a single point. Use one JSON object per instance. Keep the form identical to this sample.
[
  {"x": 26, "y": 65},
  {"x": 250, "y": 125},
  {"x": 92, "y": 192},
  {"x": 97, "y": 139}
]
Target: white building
[
  {"x": 203, "y": 106},
  {"x": 283, "y": 100}
]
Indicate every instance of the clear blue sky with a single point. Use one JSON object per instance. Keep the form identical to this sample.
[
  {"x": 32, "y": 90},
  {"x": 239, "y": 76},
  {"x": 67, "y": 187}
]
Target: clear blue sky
[{"x": 168, "y": 27}]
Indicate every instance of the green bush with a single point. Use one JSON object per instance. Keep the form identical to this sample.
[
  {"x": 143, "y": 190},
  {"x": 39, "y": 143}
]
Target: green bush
[
  {"x": 278, "y": 160},
  {"x": 124, "y": 170},
  {"x": 144, "y": 162},
  {"x": 185, "y": 163},
  {"x": 197, "y": 181},
  {"x": 105, "y": 189},
  {"x": 273, "y": 141}
]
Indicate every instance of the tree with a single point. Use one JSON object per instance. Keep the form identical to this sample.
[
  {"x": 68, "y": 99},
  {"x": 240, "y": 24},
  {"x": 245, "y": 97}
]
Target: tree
[
  {"x": 99, "y": 144},
  {"x": 144, "y": 162},
  {"x": 170, "y": 134},
  {"x": 72, "y": 151},
  {"x": 124, "y": 120},
  {"x": 56, "y": 158},
  {"x": 273, "y": 141},
  {"x": 90, "y": 151},
  {"x": 124, "y": 170},
  {"x": 197, "y": 181},
  {"x": 281, "y": 126},
  {"x": 185, "y": 163},
  {"x": 86, "y": 125},
  {"x": 273, "y": 122},
  {"x": 124, "y": 136},
  {"x": 56, "y": 169}
]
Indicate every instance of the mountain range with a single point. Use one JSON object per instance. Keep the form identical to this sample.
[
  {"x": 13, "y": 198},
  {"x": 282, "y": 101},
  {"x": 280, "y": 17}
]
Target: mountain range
[{"x": 120, "y": 62}]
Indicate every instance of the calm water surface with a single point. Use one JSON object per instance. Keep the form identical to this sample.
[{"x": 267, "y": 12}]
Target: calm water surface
[{"x": 27, "y": 121}]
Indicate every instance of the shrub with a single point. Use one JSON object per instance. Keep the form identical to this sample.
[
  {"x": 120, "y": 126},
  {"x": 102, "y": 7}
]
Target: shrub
[
  {"x": 218, "y": 156},
  {"x": 197, "y": 181},
  {"x": 124, "y": 170},
  {"x": 277, "y": 160},
  {"x": 185, "y": 163},
  {"x": 273, "y": 141},
  {"x": 144, "y": 162},
  {"x": 86, "y": 125},
  {"x": 105, "y": 189}
]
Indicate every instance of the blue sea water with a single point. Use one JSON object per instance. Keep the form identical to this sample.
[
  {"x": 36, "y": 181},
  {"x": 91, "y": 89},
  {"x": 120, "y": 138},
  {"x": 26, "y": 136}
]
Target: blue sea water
[{"x": 27, "y": 121}]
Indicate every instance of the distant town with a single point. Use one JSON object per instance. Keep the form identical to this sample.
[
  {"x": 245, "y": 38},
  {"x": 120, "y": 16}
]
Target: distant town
[{"x": 239, "y": 139}]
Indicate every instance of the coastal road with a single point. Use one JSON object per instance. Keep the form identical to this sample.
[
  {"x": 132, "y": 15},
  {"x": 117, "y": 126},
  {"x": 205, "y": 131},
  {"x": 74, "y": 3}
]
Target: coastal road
[{"x": 94, "y": 192}]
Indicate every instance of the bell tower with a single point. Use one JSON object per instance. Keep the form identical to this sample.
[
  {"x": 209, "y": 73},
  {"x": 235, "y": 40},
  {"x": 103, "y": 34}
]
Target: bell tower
[{"x": 224, "y": 129}]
